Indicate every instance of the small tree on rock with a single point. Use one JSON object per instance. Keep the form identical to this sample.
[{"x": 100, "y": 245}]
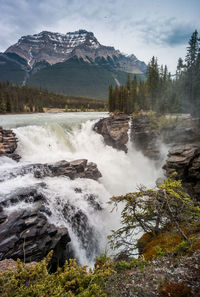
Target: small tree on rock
[{"x": 149, "y": 210}]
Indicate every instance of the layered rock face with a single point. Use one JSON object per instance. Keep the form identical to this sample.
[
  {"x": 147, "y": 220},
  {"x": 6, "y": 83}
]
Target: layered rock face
[
  {"x": 185, "y": 160},
  {"x": 8, "y": 144},
  {"x": 145, "y": 137},
  {"x": 114, "y": 130},
  {"x": 184, "y": 155}
]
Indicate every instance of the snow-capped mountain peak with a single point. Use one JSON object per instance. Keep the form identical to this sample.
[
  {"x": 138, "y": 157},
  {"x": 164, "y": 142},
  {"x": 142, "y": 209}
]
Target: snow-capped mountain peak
[{"x": 55, "y": 47}]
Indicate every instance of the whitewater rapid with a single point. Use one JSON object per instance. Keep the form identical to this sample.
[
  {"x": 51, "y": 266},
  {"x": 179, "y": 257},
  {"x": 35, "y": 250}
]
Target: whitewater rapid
[{"x": 69, "y": 137}]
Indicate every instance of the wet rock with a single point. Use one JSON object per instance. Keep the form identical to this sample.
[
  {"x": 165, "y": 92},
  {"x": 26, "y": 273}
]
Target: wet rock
[
  {"x": 27, "y": 195},
  {"x": 185, "y": 160},
  {"x": 78, "y": 190},
  {"x": 26, "y": 233},
  {"x": 114, "y": 130},
  {"x": 8, "y": 144},
  {"x": 75, "y": 169},
  {"x": 93, "y": 201},
  {"x": 85, "y": 232}
]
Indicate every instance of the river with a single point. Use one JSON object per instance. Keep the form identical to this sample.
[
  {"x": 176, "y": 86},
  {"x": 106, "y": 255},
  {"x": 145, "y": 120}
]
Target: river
[{"x": 47, "y": 138}]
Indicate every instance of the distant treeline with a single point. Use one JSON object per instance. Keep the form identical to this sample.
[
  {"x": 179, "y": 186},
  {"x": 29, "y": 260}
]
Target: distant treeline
[
  {"x": 162, "y": 92},
  {"x": 14, "y": 98}
]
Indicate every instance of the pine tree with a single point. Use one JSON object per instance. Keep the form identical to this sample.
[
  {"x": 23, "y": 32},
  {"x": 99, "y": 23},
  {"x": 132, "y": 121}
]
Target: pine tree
[
  {"x": 117, "y": 98},
  {"x": 111, "y": 99},
  {"x": 192, "y": 50},
  {"x": 192, "y": 72},
  {"x": 2, "y": 105},
  {"x": 134, "y": 97},
  {"x": 153, "y": 82}
]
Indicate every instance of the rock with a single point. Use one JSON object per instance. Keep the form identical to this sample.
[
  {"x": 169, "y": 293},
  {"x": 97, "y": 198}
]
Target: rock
[
  {"x": 8, "y": 144},
  {"x": 185, "y": 160},
  {"x": 10, "y": 264},
  {"x": 27, "y": 195},
  {"x": 7, "y": 264},
  {"x": 27, "y": 233},
  {"x": 145, "y": 136},
  {"x": 81, "y": 226},
  {"x": 78, "y": 190},
  {"x": 93, "y": 201},
  {"x": 75, "y": 169},
  {"x": 114, "y": 130}
]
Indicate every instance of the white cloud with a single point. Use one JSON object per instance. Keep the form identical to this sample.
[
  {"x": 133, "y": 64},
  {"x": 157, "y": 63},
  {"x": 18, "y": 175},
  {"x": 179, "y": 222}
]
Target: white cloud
[{"x": 142, "y": 27}]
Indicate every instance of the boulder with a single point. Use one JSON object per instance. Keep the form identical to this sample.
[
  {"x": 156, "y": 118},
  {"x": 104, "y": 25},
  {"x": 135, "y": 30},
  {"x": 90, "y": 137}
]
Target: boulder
[
  {"x": 114, "y": 130},
  {"x": 8, "y": 144}
]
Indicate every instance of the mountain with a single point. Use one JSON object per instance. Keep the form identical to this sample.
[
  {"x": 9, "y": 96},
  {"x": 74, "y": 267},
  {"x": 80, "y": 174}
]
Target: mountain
[{"x": 74, "y": 63}]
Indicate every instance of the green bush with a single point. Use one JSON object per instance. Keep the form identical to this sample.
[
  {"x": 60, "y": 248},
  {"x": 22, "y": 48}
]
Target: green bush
[
  {"x": 71, "y": 280},
  {"x": 183, "y": 247}
]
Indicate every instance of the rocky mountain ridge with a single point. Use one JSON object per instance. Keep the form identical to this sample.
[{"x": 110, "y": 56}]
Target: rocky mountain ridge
[
  {"x": 75, "y": 63},
  {"x": 55, "y": 48}
]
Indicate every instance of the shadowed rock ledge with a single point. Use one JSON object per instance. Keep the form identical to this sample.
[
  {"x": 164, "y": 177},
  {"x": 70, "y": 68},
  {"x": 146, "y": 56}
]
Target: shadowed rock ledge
[{"x": 114, "y": 130}]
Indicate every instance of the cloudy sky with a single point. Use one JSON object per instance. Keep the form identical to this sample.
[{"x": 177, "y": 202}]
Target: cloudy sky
[{"x": 142, "y": 27}]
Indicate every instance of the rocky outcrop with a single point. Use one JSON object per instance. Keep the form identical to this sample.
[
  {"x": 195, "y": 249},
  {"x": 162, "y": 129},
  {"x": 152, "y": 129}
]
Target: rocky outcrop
[
  {"x": 145, "y": 137},
  {"x": 114, "y": 130},
  {"x": 147, "y": 133},
  {"x": 185, "y": 160},
  {"x": 26, "y": 233},
  {"x": 74, "y": 169},
  {"x": 8, "y": 144}
]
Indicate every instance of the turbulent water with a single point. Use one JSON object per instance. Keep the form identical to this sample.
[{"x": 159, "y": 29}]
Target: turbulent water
[{"x": 46, "y": 138}]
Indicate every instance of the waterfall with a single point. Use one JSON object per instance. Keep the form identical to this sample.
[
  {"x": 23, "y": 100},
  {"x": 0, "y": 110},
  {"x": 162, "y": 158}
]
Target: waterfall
[{"x": 80, "y": 204}]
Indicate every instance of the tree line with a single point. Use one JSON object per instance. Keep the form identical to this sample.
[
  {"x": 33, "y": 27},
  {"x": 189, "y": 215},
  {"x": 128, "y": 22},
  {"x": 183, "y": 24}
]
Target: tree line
[
  {"x": 14, "y": 98},
  {"x": 162, "y": 92}
]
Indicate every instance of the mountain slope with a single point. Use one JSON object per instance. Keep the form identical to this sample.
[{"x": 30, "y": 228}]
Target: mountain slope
[
  {"x": 12, "y": 68},
  {"x": 77, "y": 77}
]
